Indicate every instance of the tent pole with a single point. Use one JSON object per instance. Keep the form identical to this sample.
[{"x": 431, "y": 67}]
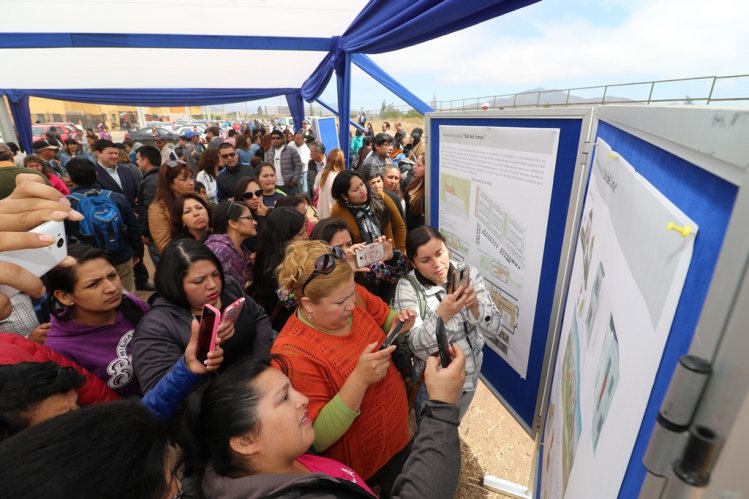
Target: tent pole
[
  {"x": 368, "y": 66},
  {"x": 344, "y": 103},
  {"x": 6, "y": 124}
]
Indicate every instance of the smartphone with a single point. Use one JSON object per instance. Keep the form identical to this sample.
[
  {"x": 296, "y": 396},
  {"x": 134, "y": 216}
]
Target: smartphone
[
  {"x": 209, "y": 321},
  {"x": 392, "y": 336},
  {"x": 232, "y": 311},
  {"x": 442, "y": 346},
  {"x": 460, "y": 277},
  {"x": 369, "y": 254},
  {"x": 38, "y": 261}
]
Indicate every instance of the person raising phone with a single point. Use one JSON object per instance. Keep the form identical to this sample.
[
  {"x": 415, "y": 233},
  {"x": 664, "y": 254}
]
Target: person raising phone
[
  {"x": 189, "y": 276},
  {"x": 468, "y": 312}
]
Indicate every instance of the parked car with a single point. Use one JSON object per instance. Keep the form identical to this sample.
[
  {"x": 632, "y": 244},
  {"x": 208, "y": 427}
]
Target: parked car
[
  {"x": 63, "y": 130},
  {"x": 147, "y": 135}
]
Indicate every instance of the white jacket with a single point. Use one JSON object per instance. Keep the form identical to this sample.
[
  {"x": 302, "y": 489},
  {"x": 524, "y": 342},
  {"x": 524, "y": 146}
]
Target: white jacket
[{"x": 463, "y": 328}]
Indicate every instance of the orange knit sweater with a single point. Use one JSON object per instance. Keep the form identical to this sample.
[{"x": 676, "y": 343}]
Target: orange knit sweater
[{"x": 319, "y": 365}]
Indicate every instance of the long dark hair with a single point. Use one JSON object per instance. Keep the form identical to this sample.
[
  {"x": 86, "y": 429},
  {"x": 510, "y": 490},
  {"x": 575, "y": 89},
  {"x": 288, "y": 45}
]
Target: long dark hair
[
  {"x": 209, "y": 162},
  {"x": 222, "y": 408},
  {"x": 281, "y": 225},
  {"x": 341, "y": 186},
  {"x": 178, "y": 230},
  {"x": 420, "y": 236},
  {"x": 64, "y": 278}
]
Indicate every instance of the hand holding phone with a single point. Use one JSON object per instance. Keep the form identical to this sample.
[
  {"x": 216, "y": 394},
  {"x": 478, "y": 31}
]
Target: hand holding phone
[
  {"x": 390, "y": 339},
  {"x": 442, "y": 346},
  {"x": 209, "y": 321},
  {"x": 460, "y": 277},
  {"x": 232, "y": 311},
  {"x": 37, "y": 260},
  {"x": 371, "y": 253}
]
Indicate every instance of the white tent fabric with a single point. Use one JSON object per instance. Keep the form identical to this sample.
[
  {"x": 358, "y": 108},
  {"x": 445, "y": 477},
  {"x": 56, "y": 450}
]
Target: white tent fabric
[{"x": 92, "y": 67}]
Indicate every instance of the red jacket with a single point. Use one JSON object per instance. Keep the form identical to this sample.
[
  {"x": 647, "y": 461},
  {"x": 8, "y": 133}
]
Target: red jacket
[{"x": 15, "y": 349}]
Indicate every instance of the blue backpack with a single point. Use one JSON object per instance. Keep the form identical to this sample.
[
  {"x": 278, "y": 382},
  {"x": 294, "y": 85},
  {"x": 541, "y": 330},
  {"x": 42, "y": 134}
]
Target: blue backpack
[{"x": 102, "y": 223}]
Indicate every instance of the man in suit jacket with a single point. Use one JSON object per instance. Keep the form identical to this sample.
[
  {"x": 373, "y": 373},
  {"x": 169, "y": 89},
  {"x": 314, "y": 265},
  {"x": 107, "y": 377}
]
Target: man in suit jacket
[
  {"x": 119, "y": 178},
  {"x": 112, "y": 176}
]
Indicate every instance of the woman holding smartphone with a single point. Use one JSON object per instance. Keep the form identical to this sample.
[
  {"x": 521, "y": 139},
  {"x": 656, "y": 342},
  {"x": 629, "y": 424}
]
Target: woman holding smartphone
[
  {"x": 468, "y": 312},
  {"x": 189, "y": 276},
  {"x": 367, "y": 214},
  {"x": 357, "y": 400}
]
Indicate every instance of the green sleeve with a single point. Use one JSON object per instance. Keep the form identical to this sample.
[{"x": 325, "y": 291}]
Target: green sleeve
[
  {"x": 334, "y": 420},
  {"x": 389, "y": 321}
]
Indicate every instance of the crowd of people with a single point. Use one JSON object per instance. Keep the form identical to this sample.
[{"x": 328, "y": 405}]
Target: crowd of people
[{"x": 300, "y": 396}]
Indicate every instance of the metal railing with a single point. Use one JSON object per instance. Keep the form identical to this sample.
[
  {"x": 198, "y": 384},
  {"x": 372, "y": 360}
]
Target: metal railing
[{"x": 705, "y": 90}]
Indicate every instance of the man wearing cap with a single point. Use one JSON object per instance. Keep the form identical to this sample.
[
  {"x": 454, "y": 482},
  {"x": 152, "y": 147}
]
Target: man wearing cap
[
  {"x": 287, "y": 163},
  {"x": 167, "y": 153},
  {"x": 382, "y": 146},
  {"x": 193, "y": 150},
  {"x": 306, "y": 130},
  {"x": 9, "y": 170},
  {"x": 47, "y": 152}
]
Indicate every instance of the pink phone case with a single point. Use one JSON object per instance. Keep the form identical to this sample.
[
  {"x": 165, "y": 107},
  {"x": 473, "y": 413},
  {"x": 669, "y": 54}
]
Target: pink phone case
[
  {"x": 206, "y": 342},
  {"x": 232, "y": 311}
]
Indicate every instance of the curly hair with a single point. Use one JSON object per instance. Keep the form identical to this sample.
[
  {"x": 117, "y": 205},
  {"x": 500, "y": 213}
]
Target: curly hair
[{"x": 299, "y": 263}]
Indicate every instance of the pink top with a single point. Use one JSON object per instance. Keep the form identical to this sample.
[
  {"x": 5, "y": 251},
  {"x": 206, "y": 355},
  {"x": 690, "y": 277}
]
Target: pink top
[
  {"x": 331, "y": 467},
  {"x": 58, "y": 184}
]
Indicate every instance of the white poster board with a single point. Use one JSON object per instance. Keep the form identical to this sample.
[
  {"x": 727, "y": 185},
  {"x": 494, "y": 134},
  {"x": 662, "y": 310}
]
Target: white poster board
[
  {"x": 628, "y": 273},
  {"x": 489, "y": 177}
]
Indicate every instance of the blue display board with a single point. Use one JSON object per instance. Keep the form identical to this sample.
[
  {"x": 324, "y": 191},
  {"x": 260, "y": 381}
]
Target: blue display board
[
  {"x": 706, "y": 199},
  {"x": 327, "y": 132},
  {"x": 521, "y": 395}
]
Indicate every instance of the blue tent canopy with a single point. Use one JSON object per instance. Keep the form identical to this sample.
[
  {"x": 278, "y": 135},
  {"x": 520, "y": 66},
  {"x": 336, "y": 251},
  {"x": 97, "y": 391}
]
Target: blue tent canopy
[{"x": 182, "y": 67}]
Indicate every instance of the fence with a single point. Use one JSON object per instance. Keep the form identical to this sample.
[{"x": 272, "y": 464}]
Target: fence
[{"x": 706, "y": 90}]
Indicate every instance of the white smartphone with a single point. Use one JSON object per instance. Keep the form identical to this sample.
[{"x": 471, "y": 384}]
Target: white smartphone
[
  {"x": 369, "y": 254},
  {"x": 38, "y": 261}
]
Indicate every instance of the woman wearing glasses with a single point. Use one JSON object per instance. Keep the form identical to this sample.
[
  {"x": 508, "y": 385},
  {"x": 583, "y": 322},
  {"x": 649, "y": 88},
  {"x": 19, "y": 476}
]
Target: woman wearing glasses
[
  {"x": 357, "y": 399},
  {"x": 266, "y": 176},
  {"x": 175, "y": 180},
  {"x": 189, "y": 276},
  {"x": 233, "y": 223}
]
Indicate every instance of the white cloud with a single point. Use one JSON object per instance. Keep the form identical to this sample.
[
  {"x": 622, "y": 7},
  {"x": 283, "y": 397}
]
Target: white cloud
[{"x": 657, "y": 40}]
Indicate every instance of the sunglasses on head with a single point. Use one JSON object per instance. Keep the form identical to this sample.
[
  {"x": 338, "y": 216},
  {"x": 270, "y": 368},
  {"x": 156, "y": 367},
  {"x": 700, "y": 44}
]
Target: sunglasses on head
[
  {"x": 325, "y": 264},
  {"x": 173, "y": 163},
  {"x": 252, "y": 194}
]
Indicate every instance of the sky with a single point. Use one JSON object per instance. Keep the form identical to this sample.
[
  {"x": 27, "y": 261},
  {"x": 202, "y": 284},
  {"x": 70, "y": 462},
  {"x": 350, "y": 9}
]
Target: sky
[{"x": 560, "y": 44}]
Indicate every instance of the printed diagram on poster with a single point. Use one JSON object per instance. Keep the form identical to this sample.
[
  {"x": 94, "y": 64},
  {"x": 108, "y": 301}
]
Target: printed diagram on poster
[
  {"x": 628, "y": 273},
  {"x": 489, "y": 177}
]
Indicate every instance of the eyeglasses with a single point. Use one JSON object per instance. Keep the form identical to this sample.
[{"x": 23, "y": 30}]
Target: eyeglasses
[
  {"x": 276, "y": 138},
  {"x": 325, "y": 264},
  {"x": 175, "y": 162},
  {"x": 248, "y": 217},
  {"x": 230, "y": 155},
  {"x": 252, "y": 194}
]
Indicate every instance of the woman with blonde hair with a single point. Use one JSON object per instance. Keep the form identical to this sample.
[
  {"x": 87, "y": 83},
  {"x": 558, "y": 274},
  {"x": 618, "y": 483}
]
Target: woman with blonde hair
[
  {"x": 331, "y": 344},
  {"x": 324, "y": 182}
]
